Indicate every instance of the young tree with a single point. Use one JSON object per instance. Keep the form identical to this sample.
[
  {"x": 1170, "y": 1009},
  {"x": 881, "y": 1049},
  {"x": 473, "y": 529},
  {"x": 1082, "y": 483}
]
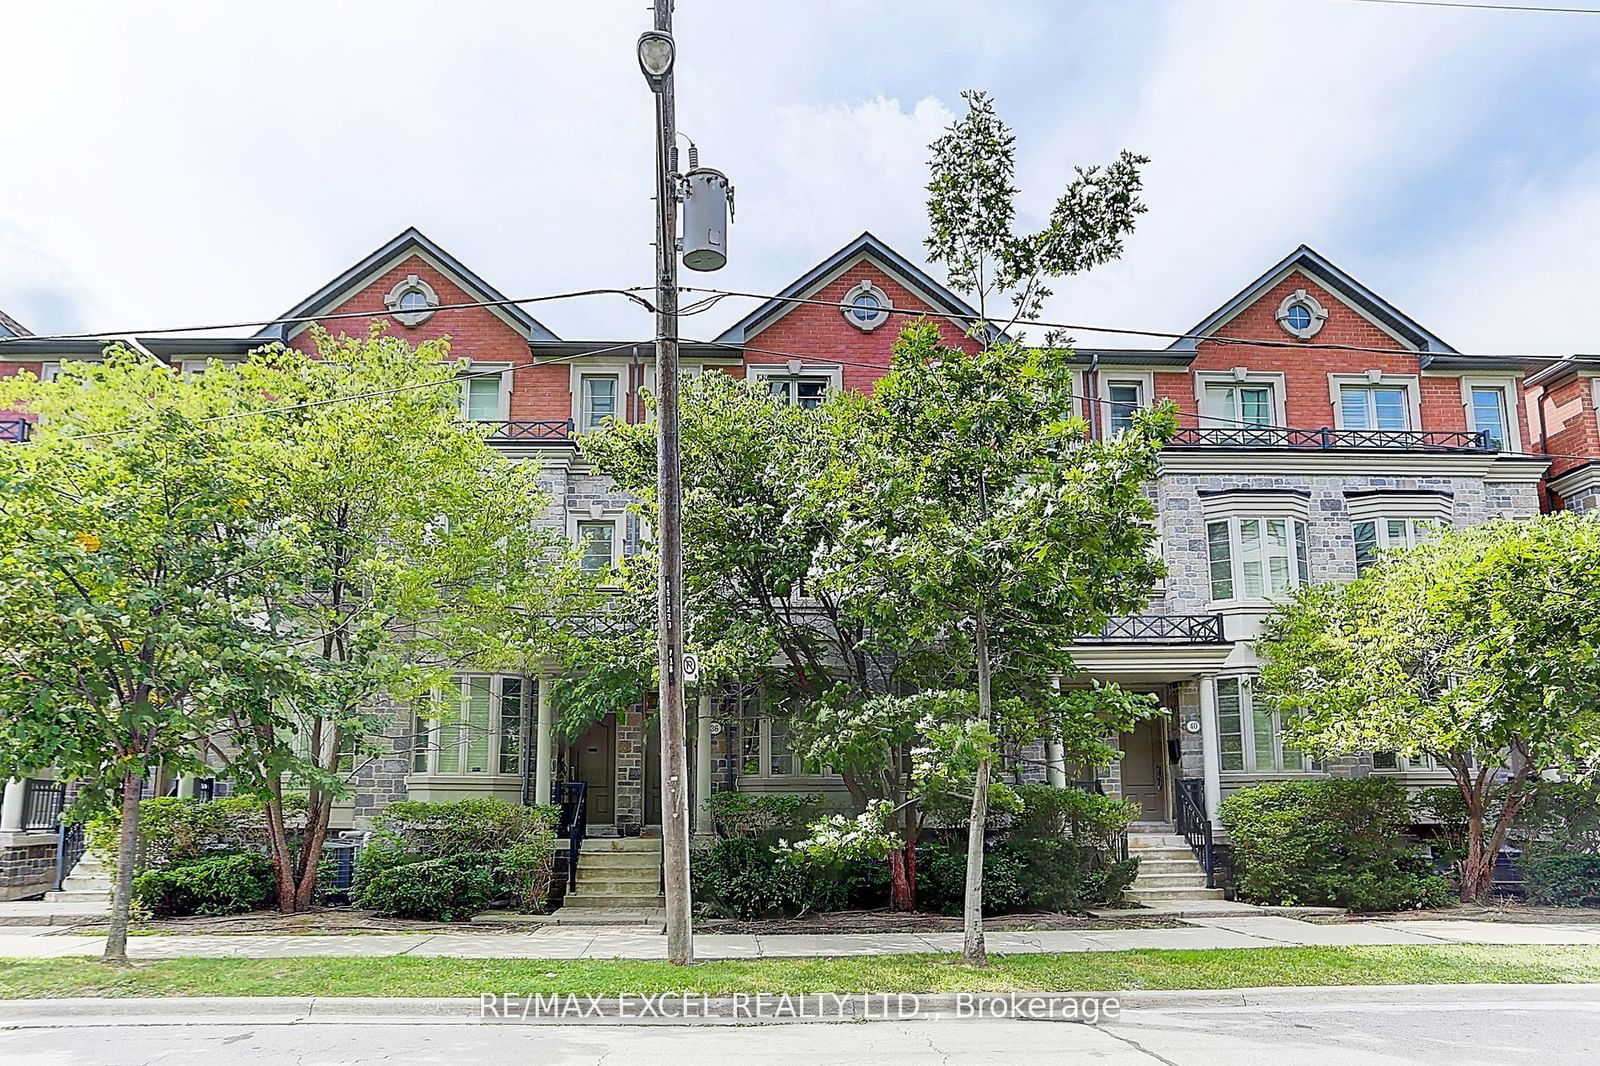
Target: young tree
[
  {"x": 750, "y": 538},
  {"x": 132, "y": 548},
  {"x": 1479, "y": 648},
  {"x": 413, "y": 548},
  {"x": 979, "y": 518}
]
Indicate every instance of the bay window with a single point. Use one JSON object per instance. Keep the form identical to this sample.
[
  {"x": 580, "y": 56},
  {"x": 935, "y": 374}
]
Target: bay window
[
  {"x": 1374, "y": 535},
  {"x": 1254, "y": 558},
  {"x": 1250, "y": 736},
  {"x": 471, "y": 726},
  {"x": 765, "y": 748}
]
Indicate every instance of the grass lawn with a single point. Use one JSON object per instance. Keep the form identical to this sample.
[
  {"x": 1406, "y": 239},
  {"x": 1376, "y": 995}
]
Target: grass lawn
[{"x": 1078, "y": 971}]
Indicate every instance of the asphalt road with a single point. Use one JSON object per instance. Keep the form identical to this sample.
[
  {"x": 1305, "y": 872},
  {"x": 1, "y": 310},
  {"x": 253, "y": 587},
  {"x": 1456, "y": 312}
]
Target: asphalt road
[{"x": 1558, "y": 1029}]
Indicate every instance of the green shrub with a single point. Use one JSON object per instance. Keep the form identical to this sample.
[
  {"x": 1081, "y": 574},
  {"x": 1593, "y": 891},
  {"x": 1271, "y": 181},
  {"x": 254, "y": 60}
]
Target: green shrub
[
  {"x": 1073, "y": 814},
  {"x": 741, "y": 877},
  {"x": 1566, "y": 879},
  {"x": 761, "y": 817},
  {"x": 445, "y": 889},
  {"x": 1022, "y": 874},
  {"x": 1331, "y": 842},
  {"x": 174, "y": 831},
  {"x": 1563, "y": 816},
  {"x": 222, "y": 884},
  {"x": 517, "y": 845}
]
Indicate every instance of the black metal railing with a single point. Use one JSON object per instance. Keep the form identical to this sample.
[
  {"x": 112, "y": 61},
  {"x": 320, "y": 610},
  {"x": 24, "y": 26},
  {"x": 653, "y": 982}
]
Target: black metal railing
[
  {"x": 14, "y": 429},
  {"x": 543, "y": 429},
  {"x": 1326, "y": 439},
  {"x": 1195, "y": 827},
  {"x": 1160, "y": 629},
  {"x": 42, "y": 803},
  {"x": 69, "y": 849},
  {"x": 572, "y": 798}
]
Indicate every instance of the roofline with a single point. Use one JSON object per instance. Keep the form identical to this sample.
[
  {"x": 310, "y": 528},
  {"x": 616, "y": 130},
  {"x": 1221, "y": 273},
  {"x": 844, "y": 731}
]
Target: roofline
[
  {"x": 614, "y": 349},
  {"x": 410, "y": 238},
  {"x": 44, "y": 348},
  {"x": 10, "y": 327},
  {"x": 1310, "y": 260},
  {"x": 866, "y": 242}
]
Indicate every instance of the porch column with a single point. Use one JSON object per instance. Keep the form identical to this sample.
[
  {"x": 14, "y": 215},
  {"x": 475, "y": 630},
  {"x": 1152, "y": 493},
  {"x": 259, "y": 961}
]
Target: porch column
[
  {"x": 542, "y": 764},
  {"x": 188, "y": 786},
  {"x": 11, "y": 809},
  {"x": 1210, "y": 753},
  {"x": 702, "y": 764},
  {"x": 1055, "y": 763}
]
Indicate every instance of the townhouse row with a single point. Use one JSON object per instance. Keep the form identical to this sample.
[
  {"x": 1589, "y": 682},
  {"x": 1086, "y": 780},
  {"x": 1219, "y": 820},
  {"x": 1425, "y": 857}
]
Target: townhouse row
[{"x": 1320, "y": 426}]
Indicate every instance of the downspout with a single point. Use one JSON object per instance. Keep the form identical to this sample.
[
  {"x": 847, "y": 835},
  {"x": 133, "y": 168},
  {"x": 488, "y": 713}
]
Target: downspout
[{"x": 1091, "y": 388}]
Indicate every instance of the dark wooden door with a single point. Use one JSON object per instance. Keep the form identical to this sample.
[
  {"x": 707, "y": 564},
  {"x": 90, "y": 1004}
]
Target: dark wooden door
[
  {"x": 596, "y": 764},
  {"x": 1144, "y": 769},
  {"x": 652, "y": 773}
]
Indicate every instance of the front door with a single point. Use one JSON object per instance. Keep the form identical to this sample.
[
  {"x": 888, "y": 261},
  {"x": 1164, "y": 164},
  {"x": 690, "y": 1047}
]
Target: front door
[
  {"x": 1144, "y": 769},
  {"x": 596, "y": 764}
]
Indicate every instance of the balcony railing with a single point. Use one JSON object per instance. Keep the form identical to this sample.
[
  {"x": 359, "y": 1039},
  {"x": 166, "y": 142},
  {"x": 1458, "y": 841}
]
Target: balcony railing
[
  {"x": 42, "y": 803},
  {"x": 1405, "y": 440},
  {"x": 547, "y": 429},
  {"x": 13, "y": 429},
  {"x": 1160, "y": 629}
]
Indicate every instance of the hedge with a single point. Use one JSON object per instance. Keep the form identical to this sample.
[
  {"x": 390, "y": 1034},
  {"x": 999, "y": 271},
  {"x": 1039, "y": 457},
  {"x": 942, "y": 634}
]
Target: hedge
[{"x": 222, "y": 884}]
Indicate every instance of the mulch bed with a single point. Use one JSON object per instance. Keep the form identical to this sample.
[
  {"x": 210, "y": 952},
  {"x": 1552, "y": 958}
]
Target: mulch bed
[
  {"x": 885, "y": 921},
  {"x": 1501, "y": 910}
]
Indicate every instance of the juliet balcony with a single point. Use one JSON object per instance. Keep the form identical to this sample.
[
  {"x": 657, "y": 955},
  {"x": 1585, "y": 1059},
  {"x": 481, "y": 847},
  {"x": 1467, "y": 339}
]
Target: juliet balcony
[
  {"x": 1433, "y": 441},
  {"x": 1160, "y": 629}
]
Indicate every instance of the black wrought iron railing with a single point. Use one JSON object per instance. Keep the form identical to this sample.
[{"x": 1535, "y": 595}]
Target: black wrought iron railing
[
  {"x": 1326, "y": 439},
  {"x": 69, "y": 849},
  {"x": 572, "y": 798},
  {"x": 13, "y": 429},
  {"x": 1195, "y": 827},
  {"x": 42, "y": 803},
  {"x": 1160, "y": 629},
  {"x": 542, "y": 429}
]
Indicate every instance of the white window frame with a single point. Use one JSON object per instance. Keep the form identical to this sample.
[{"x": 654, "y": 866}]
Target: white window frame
[
  {"x": 1416, "y": 529},
  {"x": 1247, "y": 736},
  {"x": 619, "y": 401},
  {"x": 1143, "y": 380},
  {"x": 503, "y": 409},
  {"x": 1238, "y": 377},
  {"x": 1420, "y": 764},
  {"x": 752, "y": 707},
  {"x": 1297, "y": 536},
  {"x": 1507, "y": 387},
  {"x": 456, "y": 731},
  {"x": 615, "y": 517},
  {"x": 1376, "y": 379},
  {"x": 763, "y": 374}
]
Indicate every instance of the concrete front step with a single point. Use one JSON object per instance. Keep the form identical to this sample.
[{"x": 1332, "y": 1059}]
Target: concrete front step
[
  {"x": 639, "y": 902},
  {"x": 1147, "y": 895},
  {"x": 1147, "y": 843},
  {"x": 634, "y": 844},
  {"x": 1170, "y": 881},
  {"x": 1158, "y": 854},
  {"x": 1168, "y": 866},
  {"x": 80, "y": 896},
  {"x": 613, "y": 860},
  {"x": 622, "y": 886}
]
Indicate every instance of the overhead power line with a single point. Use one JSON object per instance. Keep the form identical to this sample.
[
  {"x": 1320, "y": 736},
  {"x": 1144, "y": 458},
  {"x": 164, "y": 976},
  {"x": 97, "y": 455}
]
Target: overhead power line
[{"x": 1463, "y": 5}]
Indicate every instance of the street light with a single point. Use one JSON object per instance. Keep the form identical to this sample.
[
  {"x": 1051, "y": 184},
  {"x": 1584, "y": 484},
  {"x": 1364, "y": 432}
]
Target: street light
[{"x": 656, "y": 53}]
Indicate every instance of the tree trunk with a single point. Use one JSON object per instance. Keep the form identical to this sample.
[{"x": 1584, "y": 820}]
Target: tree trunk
[
  {"x": 311, "y": 853},
  {"x": 972, "y": 949},
  {"x": 278, "y": 840},
  {"x": 900, "y": 895},
  {"x": 116, "y": 951}
]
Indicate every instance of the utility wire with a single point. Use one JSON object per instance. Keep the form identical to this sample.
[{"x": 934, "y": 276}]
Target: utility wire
[{"x": 1548, "y": 9}]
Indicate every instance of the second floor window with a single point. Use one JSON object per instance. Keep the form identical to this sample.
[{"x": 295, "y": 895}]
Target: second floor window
[
  {"x": 1256, "y": 558},
  {"x": 1232, "y": 406},
  {"x": 806, "y": 392},
  {"x": 599, "y": 399},
  {"x": 1123, "y": 400},
  {"x": 1373, "y": 407},
  {"x": 1374, "y": 535},
  {"x": 598, "y": 541},
  {"x": 1489, "y": 413}
]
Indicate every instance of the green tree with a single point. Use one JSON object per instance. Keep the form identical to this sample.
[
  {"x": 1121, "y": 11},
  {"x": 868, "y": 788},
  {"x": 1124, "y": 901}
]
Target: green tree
[
  {"x": 1479, "y": 648},
  {"x": 133, "y": 546},
  {"x": 980, "y": 519},
  {"x": 411, "y": 548}
]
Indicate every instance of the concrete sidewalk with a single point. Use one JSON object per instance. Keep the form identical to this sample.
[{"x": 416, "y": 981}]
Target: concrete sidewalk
[{"x": 558, "y": 942}]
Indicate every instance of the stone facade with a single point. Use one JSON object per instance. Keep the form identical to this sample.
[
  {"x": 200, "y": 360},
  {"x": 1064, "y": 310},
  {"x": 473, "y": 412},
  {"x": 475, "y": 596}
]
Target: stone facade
[{"x": 27, "y": 864}]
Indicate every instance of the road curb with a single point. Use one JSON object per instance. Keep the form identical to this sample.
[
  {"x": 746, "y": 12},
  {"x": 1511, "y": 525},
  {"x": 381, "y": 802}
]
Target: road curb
[{"x": 1090, "y": 1007}]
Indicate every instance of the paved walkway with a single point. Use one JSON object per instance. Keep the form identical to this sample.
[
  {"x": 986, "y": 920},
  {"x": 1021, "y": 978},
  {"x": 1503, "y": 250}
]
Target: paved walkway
[{"x": 571, "y": 942}]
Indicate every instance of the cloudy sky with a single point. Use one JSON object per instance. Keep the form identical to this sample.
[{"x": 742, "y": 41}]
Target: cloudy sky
[{"x": 193, "y": 162}]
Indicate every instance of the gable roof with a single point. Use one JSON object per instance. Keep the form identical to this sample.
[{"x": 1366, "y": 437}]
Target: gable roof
[
  {"x": 1308, "y": 260},
  {"x": 408, "y": 242},
  {"x": 866, "y": 244},
  {"x": 10, "y": 327}
]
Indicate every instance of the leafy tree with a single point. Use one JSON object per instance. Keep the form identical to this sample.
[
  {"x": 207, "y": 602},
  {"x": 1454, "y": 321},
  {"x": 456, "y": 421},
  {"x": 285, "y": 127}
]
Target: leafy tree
[
  {"x": 132, "y": 546},
  {"x": 412, "y": 548},
  {"x": 979, "y": 518},
  {"x": 1478, "y": 648}
]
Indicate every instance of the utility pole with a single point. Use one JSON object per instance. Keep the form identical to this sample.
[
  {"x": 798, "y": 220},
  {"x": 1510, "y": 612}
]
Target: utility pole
[{"x": 656, "y": 55}]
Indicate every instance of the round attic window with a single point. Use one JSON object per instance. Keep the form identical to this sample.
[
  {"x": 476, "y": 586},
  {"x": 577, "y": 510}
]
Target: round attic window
[
  {"x": 866, "y": 307},
  {"x": 1301, "y": 315},
  {"x": 412, "y": 301}
]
